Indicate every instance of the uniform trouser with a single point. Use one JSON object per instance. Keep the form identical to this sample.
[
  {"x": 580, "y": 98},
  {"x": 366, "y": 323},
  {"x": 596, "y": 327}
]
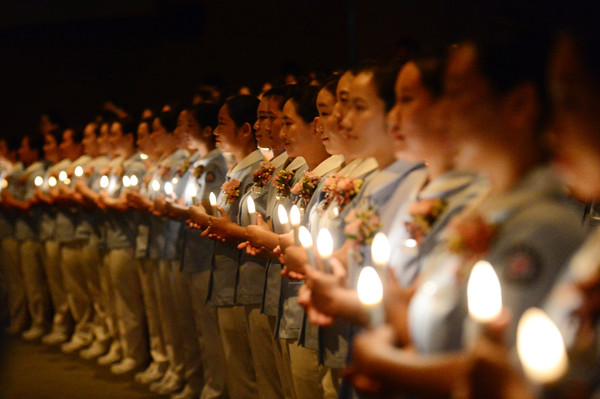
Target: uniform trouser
[
  {"x": 109, "y": 298},
  {"x": 17, "y": 302},
  {"x": 78, "y": 297},
  {"x": 169, "y": 319},
  {"x": 182, "y": 290},
  {"x": 263, "y": 354},
  {"x": 36, "y": 289},
  {"x": 148, "y": 271},
  {"x": 62, "y": 317},
  {"x": 131, "y": 320},
  {"x": 91, "y": 266},
  {"x": 311, "y": 379},
  {"x": 282, "y": 359},
  {"x": 241, "y": 377},
  {"x": 211, "y": 347}
]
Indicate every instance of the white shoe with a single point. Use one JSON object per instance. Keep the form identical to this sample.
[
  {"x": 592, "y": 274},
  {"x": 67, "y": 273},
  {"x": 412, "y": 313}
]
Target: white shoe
[
  {"x": 55, "y": 338},
  {"x": 124, "y": 366},
  {"x": 113, "y": 355},
  {"x": 33, "y": 334},
  {"x": 169, "y": 384},
  {"x": 97, "y": 348},
  {"x": 153, "y": 372},
  {"x": 75, "y": 344},
  {"x": 187, "y": 393}
]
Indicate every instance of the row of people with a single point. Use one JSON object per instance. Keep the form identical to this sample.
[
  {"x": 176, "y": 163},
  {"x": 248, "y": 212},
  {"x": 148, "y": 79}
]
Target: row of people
[{"x": 168, "y": 256}]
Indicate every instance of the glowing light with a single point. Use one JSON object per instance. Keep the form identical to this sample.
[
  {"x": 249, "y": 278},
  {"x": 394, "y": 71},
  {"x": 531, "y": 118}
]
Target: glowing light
[
  {"x": 126, "y": 181},
  {"x": 305, "y": 237},
  {"x": 410, "y": 243},
  {"x": 369, "y": 287},
  {"x": 52, "y": 181},
  {"x": 540, "y": 347},
  {"x": 104, "y": 181},
  {"x": 324, "y": 243},
  {"x": 143, "y": 157},
  {"x": 283, "y": 217},
  {"x": 483, "y": 293},
  {"x": 168, "y": 188},
  {"x": 38, "y": 181},
  {"x": 4, "y": 183},
  {"x": 67, "y": 181},
  {"x": 155, "y": 185},
  {"x": 380, "y": 250},
  {"x": 62, "y": 176},
  {"x": 251, "y": 210},
  {"x": 212, "y": 198},
  {"x": 175, "y": 181},
  {"x": 133, "y": 180},
  {"x": 78, "y": 171},
  {"x": 295, "y": 217},
  {"x": 336, "y": 212}
]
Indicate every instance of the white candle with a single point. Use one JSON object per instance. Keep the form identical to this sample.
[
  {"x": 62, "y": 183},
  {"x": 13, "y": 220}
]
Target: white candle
[
  {"x": 325, "y": 247},
  {"x": 78, "y": 171},
  {"x": 126, "y": 181},
  {"x": 133, "y": 180},
  {"x": 283, "y": 218},
  {"x": 295, "y": 219},
  {"x": 307, "y": 243},
  {"x": 52, "y": 181},
  {"x": 251, "y": 210},
  {"x": 541, "y": 347},
  {"x": 192, "y": 193},
  {"x": 67, "y": 181},
  {"x": 370, "y": 292},
  {"x": 380, "y": 250},
  {"x": 169, "y": 189},
  {"x": 155, "y": 185},
  {"x": 175, "y": 180},
  {"x": 38, "y": 181},
  {"x": 62, "y": 176},
  {"x": 213, "y": 203},
  {"x": 104, "y": 182},
  {"x": 484, "y": 295},
  {"x": 143, "y": 157}
]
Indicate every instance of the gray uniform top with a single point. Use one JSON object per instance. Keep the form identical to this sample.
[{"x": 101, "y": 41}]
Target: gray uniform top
[
  {"x": 7, "y": 218},
  {"x": 157, "y": 238},
  {"x": 121, "y": 226},
  {"x": 143, "y": 228},
  {"x": 250, "y": 284},
  {"x": 226, "y": 257},
  {"x": 207, "y": 175},
  {"x": 47, "y": 221},
  {"x": 89, "y": 225},
  {"x": 67, "y": 218},
  {"x": 537, "y": 229},
  {"x": 26, "y": 225}
]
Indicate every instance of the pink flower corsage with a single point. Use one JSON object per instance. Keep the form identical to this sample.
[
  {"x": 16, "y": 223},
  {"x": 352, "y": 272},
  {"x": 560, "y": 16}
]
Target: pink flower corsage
[
  {"x": 282, "y": 183},
  {"x": 470, "y": 236},
  {"x": 361, "y": 225},
  {"x": 183, "y": 168},
  {"x": 305, "y": 188},
  {"x": 231, "y": 189},
  {"x": 263, "y": 174},
  {"x": 424, "y": 214},
  {"x": 341, "y": 189}
]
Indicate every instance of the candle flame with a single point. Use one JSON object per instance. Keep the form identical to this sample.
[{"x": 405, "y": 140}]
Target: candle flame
[
  {"x": 143, "y": 157},
  {"x": 282, "y": 213},
  {"x": 484, "y": 294},
  {"x": 168, "y": 188},
  {"x": 126, "y": 181},
  {"x": 52, "y": 181},
  {"x": 175, "y": 180},
  {"x": 155, "y": 185},
  {"x": 38, "y": 181},
  {"x": 295, "y": 216},
  {"x": 305, "y": 237},
  {"x": 133, "y": 180},
  {"x": 410, "y": 243},
  {"x": 369, "y": 286},
  {"x": 251, "y": 206},
  {"x": 380, "y": 250},
  {"x": 62, "y": 176},
  {"x": 541, "y": 347},
  {"x": 79, "y": 171},
  {"x": 324, "y": 243},
  {"x": 213, "y": 199}
]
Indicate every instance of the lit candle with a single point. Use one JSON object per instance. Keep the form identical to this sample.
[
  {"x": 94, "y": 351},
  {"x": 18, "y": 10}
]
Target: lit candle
[
  {"x": 126, "y": 181},
  {"x": 283, "y": 218},
  {"x": 175, "y": 180},
  {"x": 67, "y": 181},
  {"x": 295, "y": 219},
  {"x": 104, "y": 182},
  {"x": 484, "y": 295},
  {"x": 38, "y": 181},
  {"x": 169, "y": 189},
  {"x": 370, "y": 292},
  {"x": 62, "y": 176},
  {"x": 410, "y": 243},
  {"x": 192, "y": 193},
  {"x": 78, "y": 171},
  {"x": 52, "y": 181},
  {"x": 380, "y": 250},
  {"x": 307, "y": 243},
  {"x": 155, "y": 185},
  {"x": 251, "y": 210},
  {"x": 4, "y": 183},
  {"x": 133, "y": 180},
  {"x": 336, "y": 212},
  {"x": 541, "y": 347},
  {"x": 325, "y": 247},
  {"x": 213, "y": 203},
  {"x": 143, "y": 157}
]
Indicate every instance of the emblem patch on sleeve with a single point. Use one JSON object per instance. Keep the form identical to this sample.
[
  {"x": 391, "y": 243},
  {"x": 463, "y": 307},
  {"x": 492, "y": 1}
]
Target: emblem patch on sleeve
[{"x": 522, "y": 265}]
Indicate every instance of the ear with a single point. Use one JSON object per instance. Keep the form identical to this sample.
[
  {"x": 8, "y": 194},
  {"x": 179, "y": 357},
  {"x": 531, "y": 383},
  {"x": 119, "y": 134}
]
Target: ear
[
  {"x": 207, "y": 133},
  {"x": 246, "y": 131},
  {"x": 522, "y": 108},
  {"x": 129, "y": 139}
]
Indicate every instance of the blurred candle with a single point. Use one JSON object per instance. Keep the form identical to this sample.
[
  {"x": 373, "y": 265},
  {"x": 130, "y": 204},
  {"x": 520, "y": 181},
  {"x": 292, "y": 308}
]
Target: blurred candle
[
  {"x": 380, "y": 250},
  {"x": 104, "y": 181},
  {"x": 133, "y": 180},
  {"x": 541, "y": 347},
  {"x": 192, "y": 193},
  {"x": 213, "y": 203},
  {"x": 126, "y": 181},
  {"x": 484, "y": 295},
  {"x": 62, "y": 176},
  {"x": 174, "y": 180},
  {"x": 169, "y": 189},
  {"x": 307, "y": 243},
  {"x": 38, "y": 181},
  {"x": 295, "y": 219},
  {"x": 155, "y": 185},
  {"x": 78, "y": 171},
  {"x": 143, "y": 156},
  {"x": 52, "y": 181},
  {"x": 325, "y": 247},
  {"x": 370, "y": 293},
  {"x": 251, "y": 210},
  {"x": 283, "y": 218}
]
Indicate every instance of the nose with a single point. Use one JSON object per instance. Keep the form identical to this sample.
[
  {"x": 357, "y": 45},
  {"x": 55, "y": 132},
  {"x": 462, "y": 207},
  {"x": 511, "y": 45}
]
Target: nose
[{"x": 393, "y": 119}]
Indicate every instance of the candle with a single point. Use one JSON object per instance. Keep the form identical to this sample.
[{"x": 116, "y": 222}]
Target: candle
[
  {"x": 192, "y": 193},
  {"x": 307, "y": 243},
  {"x": 325, "y": 247},
  {"x": 133, "y": 180},
  {"x": 67, "y": 181},
  {"x": 143, "y": 157},
  {"x": 380, "y": 250},
  {"x": 251, "y": 210},
  {"x": 410, "y": 243},
  {"x": 213, "y": 203},
  {"x": 541, "y": 347},
  {"x": 126, "y": 181},
  {"x": 484, "y": 295},
  {"x": 155, "y": 185},
  {"x": 283, "y": 218},
  {"x": 104, "y": 182},
  {"x": 62, "y": 176},
  {"x": 295, "y": 219},
  {"x": 169, "y": 189},
  {"x": 38, "y": 181},
  {"x": 52, "y": 181},
  {"x": 175, "y": 180},
  {"x": 370, "y": 292},
  {"x": 78, "y": 171}
]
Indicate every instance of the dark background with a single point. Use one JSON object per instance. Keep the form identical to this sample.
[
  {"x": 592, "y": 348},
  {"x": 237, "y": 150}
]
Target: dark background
[{"x": 70, "y": 56}]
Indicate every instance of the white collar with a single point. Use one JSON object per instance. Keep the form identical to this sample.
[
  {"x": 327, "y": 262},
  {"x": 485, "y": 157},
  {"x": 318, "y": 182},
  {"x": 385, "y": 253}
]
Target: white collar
[
  {"x": 82, "y": 160},
  {"x": 34, "y": 166},
  {"x": 349, "y": 167},
  {"x": 332, "y": 163},
  {"x": 364, "y": 167},
  {"x": 251, "y": 158},
  {"x": 296, "y": 163},
  {"x": 280, "y": 159}
]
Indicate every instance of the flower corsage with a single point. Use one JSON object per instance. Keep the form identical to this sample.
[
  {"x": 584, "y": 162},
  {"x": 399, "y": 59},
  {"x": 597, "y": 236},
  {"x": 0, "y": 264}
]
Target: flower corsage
[
  {"x": 470, "y": 236},
  {"x": 424, "y": 214},
  {"x": 361, "y": 225},
  {"x": 263, "y": 175},
  {"x": 341, "y": 189},
  {"x": 305, "y": 188},
  {"x": 282, "y": 183},
  {"x": 231, "y": 189}
]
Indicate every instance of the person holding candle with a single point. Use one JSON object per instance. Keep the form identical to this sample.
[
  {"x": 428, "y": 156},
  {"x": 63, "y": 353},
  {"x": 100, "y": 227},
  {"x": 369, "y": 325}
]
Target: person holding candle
[{"x": 234, "y": 134}]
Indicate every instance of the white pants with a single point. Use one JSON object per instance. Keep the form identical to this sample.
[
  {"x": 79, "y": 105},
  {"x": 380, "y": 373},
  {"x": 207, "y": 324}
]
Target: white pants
[
  {"x": 11, "y": 268},
  {"x": 78, "y": 297},
  {"x": 36, "y": 289}
]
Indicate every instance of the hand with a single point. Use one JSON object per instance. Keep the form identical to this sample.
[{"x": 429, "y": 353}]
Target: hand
[
  {"x": 250, "y": 249},
  {"x": 255, "y": 231},
  {"x": 199, "y": 216},
  {"x": 294, "y": 260},
  {"x": 325, "y": 291},
  {"x": 219, "y": 225},
  {"x": 159, "y": 207}
]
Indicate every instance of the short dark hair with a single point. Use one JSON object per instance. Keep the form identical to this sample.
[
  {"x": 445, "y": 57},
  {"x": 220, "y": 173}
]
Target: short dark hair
[
  {"x": 305, "y": 101},
  {"x": 384, "y": 78},
  {"x": 242, "y": 109},
  {"x": 281, "y": 93}
]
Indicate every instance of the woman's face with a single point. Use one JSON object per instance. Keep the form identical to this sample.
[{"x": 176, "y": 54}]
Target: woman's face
[
  {"x": 90, "y": 140},
  {"x": 576, "y": 130},
  {"x": 274, "y": 122},
  {"x": 180, "y": 130},
  {"x": 411, "y": 119},
  {"x": 51, "y": 150},
  {"x": 326, "y": 126},
  {"x": 193, "y": 132},
  {"x": 226, "y": 132},
  {"x": 116, "y": 138},
  {"x": 103, "y": 144},
  {"x": 143, "y": 138},
  {"x": 296, "y": 134},
  {"x": 159, "y": 135},
  {"x": 364, "y": 125},
  {"x": 341, "y": 107},
  {"x": 263, "y": 139},
  {"x": 69, "y": 148}
]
